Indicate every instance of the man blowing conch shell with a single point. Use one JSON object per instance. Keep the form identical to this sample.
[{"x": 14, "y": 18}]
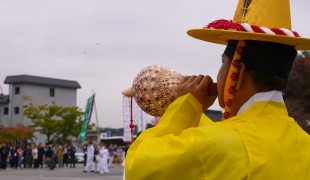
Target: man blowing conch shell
[{"x": 256, "y": 138}]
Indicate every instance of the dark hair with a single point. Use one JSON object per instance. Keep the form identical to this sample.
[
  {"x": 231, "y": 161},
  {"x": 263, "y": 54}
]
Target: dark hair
[
  {"x": 268, "y": 57},
  {"x": 268, "y": 64},
  {"x": 267, "y": 82}
]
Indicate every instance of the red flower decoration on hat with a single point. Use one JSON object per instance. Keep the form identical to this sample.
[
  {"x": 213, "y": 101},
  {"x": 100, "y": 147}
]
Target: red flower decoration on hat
[{"x": 225, "y": 25}]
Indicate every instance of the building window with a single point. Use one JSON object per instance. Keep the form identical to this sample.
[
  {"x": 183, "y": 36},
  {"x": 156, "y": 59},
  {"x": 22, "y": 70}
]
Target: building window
[
  {"x": 52, "y": 92},
  {"x": 16, "y": 110},
  {"x": 6, "y": 111},
  {"x": 17, "y": 90}
]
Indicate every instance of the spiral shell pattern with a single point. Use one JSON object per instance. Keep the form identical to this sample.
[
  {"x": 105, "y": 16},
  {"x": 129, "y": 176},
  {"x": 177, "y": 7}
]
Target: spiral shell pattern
[{"x": 155, "y": 88}]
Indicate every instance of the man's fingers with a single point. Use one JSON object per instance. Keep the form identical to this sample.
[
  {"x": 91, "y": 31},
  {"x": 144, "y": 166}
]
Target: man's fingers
[
  {"x": 206, "y": 81},
  {"x": 198, "y": 79},
  {"x": 192, "y": 79},
  {"x": 184, "y": 79},
  {"x": 198, "y": 87}
]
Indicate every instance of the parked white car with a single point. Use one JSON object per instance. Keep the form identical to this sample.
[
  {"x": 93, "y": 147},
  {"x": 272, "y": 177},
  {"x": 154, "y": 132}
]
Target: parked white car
[{"x": 79, "y": 157}]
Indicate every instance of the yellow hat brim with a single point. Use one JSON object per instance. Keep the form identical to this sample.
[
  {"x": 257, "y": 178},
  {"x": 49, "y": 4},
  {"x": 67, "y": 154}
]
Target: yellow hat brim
[{"x": 222, "y": 36}]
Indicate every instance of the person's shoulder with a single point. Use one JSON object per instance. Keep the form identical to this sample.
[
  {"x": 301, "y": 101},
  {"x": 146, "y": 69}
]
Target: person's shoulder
[
  {"x": 218, "y": 134},
  {"x": 218, "y": 127}
]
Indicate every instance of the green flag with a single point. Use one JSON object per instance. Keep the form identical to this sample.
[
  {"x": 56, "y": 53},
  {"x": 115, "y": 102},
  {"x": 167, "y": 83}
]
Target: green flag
[{"x": 87, "y": 117}]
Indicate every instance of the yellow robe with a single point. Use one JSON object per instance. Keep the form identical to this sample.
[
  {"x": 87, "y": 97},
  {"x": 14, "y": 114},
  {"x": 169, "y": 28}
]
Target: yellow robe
[{"x": 260, "y": 143}]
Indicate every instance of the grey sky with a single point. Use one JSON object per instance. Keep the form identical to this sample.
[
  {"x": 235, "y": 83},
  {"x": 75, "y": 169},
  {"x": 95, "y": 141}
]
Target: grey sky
[{"x": 103, "y": 44}]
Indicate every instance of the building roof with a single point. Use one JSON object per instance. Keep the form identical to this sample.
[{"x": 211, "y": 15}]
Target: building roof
[
  {"x": 42, "y": 81},
  {"x": 214, "y": 115}
]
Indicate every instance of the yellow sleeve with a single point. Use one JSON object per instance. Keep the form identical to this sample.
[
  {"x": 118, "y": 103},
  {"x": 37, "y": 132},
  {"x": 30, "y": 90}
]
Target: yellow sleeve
[
  {"x": 204, "y": 120},
  {"x": 183, "y": 113},
  {"x": 166, "y": 150}
]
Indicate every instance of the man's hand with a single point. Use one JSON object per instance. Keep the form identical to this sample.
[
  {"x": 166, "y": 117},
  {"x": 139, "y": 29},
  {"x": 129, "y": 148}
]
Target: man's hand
[{"x": 198, "y": 87}]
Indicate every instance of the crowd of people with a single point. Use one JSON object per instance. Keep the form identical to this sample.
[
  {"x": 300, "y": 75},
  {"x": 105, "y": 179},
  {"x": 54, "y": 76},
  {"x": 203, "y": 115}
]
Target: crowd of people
[
  {"x": 35, "y": 155},
  {"x": 97, "y": 158}
]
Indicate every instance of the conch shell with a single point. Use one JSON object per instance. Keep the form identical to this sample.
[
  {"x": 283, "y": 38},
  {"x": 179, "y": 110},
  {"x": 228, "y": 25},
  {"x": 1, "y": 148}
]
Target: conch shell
[{"x": 154, "y": 88}]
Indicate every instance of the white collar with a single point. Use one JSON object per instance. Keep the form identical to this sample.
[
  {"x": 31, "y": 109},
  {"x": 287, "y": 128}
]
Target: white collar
[{"x": 263, "y": 96}]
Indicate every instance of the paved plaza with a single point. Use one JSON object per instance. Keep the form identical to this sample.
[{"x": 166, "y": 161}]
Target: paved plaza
[{"x": 116, "y": 173}]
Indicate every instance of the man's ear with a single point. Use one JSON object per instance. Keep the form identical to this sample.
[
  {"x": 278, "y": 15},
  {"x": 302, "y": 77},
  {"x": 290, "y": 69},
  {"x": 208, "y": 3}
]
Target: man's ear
[{"x": 241, "y": 75}]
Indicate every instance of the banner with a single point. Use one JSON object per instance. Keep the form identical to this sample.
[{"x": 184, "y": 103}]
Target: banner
[
  {"x": 126, "y": 119},
  {"x": 87, "y": 117},
  {"x": 139, "y": 117}
]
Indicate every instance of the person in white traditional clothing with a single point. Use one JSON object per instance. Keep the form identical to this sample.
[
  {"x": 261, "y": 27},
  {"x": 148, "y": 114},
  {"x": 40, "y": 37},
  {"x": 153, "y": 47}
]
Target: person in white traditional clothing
[
  {"x": 103, "y": 159},
  {"x": 90, "y": 158}
]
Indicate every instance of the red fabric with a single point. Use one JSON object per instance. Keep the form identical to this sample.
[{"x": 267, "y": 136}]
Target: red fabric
[
  {"x": 233, "y": 76},
  {"x": 239, "y": 50},
  {"x": 230, "y": 25},
  {"x": 231, "y": 90},
  {"x": 225, "y": 24},
  {"x": 226, "y": 115},
  {"x": 229, "y": 102},
  {"x": 257, "y": 29},
  {"x": 235, "y": 63},
  {"x": 296, "y": 34},
  {"x": 278, "y": 31},
  {"x": 131, "y": 125}
]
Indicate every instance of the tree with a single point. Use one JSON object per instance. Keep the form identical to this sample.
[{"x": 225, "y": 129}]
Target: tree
[
  {"x": 72, "y": 122},
  {"x": 297, "y": 93},
  {"x": 56, "y": 122},
  {"x": 20, "y": 133}
]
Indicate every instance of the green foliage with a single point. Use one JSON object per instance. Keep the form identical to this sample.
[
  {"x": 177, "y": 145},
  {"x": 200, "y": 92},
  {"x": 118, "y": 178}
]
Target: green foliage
[
  {"x": 72, "y": 121},
  {"x": 56, "y": 122},
  {"x": 92, "y": 127}
]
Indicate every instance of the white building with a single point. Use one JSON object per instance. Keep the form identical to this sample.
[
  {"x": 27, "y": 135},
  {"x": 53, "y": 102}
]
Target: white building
[{"x": 24, "y": 89}]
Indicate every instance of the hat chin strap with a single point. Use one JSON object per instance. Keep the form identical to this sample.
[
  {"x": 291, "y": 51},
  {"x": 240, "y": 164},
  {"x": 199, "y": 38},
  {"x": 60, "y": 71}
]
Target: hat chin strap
[{"x": 232, "y": 77}]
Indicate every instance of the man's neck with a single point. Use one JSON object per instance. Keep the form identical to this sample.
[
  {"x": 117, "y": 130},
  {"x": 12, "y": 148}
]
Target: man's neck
[{"x": 241, "y": 96}]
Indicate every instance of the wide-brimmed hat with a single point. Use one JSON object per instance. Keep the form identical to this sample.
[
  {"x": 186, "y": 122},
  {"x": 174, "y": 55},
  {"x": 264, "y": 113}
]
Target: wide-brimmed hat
[
  {"x": 259, "y": 20},
  {"x": 261, "y": 27}
]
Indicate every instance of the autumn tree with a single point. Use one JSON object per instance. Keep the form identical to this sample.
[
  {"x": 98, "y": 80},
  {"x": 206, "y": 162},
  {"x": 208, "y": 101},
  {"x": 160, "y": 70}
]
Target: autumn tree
[
  {"x": 56, "y": 122},
  {"x": 297, "y": 93},
  {"x": 19, "y": 132}
]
